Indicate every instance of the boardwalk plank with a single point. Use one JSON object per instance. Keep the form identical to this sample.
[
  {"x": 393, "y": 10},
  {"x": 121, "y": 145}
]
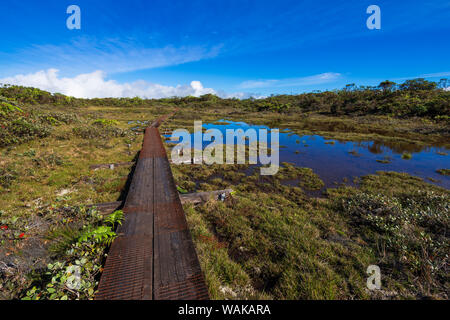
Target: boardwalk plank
[{"x": 154, "y": 256}]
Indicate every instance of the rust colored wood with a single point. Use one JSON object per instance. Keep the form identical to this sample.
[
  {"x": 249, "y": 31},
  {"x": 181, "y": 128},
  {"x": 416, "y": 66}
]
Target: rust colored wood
[
  {"x": 177, "y": 272},
  {"x": 152, "y": 145},
  {"x": 128, "y": 270},
  {"x": 160, "y": 120},
  {"x": 154, "y": 256}
]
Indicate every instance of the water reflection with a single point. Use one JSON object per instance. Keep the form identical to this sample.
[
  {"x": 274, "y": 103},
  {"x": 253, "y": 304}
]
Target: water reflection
[{"x": 337, "y": 161}]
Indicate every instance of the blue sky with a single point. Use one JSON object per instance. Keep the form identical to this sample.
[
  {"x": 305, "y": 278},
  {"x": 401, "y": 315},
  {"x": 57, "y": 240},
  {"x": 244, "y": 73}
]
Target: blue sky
[{"x": 233, "y": 48}]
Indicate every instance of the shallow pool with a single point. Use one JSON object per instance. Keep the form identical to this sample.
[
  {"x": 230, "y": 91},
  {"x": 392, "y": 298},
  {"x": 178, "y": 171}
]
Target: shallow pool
[{"x": 342, "y": 161}]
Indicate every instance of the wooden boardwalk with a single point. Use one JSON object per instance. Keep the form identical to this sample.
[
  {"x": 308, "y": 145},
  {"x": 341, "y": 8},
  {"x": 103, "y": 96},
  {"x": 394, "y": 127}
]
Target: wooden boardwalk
[{"x": 153, "y": 258}]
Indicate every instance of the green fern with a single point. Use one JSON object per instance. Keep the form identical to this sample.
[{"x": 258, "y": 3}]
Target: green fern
[
  {"x": 115, "y": 218},
  {"x": 102, "y": 235}
]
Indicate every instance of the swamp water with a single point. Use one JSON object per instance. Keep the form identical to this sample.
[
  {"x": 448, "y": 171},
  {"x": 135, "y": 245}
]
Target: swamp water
[{"x": 342, "y": 161}]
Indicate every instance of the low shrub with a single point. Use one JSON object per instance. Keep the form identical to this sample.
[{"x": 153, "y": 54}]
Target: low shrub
[
  {"x": 18, "y": 126},
  {"x": 105, "y": 122},
  {"x": 98, "y": 131},
  {"x": 411, "y": 228}
]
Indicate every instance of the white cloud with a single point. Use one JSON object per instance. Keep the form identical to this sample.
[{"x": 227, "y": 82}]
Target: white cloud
[
  {"x": 426, "y": 76},
  {"x": 85, "y": 54},
  {"x": 258, "y": 84},
  {"x": 303, "y": 81},
  {"x": 435, "y": 75},
  {"x": 94, "y": 85}
]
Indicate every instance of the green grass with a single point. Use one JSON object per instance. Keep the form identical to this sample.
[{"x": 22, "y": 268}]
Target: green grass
[
  {"x": 268, "y": 241},
  {"x": 281, "y": 238}
]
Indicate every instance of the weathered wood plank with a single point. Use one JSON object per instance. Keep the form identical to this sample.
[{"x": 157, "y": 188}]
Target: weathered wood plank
[
  {"x": 154, "y": 256},
  {"x": 176, "y": 261},
  {"x": 128, "y": 272}
]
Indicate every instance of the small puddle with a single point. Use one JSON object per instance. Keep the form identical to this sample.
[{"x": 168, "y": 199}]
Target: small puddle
[
  {"x": 339, "y": 162},
  {"x": 138, "y": 125}
]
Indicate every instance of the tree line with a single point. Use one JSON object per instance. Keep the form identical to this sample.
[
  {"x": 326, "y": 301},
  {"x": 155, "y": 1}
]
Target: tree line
[{"x": 417, "y": 97}]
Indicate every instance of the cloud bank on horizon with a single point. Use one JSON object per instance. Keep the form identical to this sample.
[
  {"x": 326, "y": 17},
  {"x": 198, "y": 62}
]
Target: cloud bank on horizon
[{"x": 95, "y": 85}]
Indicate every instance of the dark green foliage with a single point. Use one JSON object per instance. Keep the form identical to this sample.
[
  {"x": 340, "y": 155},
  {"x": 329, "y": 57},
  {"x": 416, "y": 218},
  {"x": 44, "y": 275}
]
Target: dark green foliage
[
  {"x": 36, "y": 96},
  {"x": 58, "y": 118},
  {"x": 274, "y": 106},
  {"x": 413, "y": 98},
  {"x": 416, "y": 97},
  {"x": 418, "y": 84},
  {"x": 18, "y": 126}
]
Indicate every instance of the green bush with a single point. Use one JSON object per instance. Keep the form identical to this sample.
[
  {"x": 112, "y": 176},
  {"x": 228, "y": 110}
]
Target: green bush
[
  {"x": 105, "y": 122},
  {"x": 7, "y": 107},
  {"x": 18, "y": 126},
  {"x": 416, "y": 97},
  {"x": 412, "y": 227},
  {"x": 58, "y": 118}
]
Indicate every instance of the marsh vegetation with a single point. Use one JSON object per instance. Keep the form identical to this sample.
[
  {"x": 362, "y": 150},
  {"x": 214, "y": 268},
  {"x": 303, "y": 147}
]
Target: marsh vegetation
[{"x": 294, "y": 235}]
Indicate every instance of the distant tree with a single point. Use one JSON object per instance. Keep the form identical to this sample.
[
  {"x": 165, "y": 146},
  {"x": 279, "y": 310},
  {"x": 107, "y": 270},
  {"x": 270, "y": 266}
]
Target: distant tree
[
  {"x": 387, "y": 85},
  {"x": 209, "y": 97},
  {"x": 418, "y": 84},
  {"x": 350, "y": 87}
]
